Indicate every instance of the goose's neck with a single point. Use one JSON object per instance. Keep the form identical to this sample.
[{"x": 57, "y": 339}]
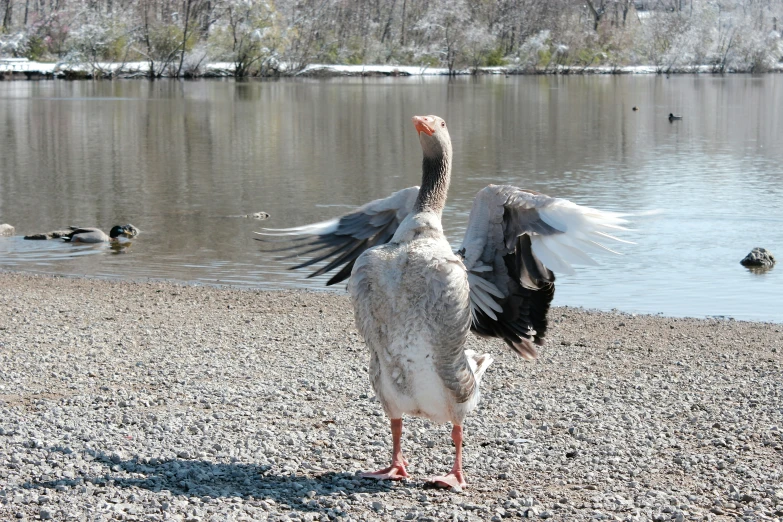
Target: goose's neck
[{"x": 435, "y": 179}]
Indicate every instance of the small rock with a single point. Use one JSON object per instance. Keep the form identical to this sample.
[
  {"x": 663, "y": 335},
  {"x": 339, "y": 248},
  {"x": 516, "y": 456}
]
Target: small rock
[
  {"x": 759, "y": 257},
  {"x": 45, "y": 514},
  {"x": 377, "y": 506},
  {"x": 6, "y": 230}
]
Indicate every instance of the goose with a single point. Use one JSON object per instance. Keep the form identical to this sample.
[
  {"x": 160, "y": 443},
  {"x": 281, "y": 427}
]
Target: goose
[
  {"x": 96, "y": 235},
  {"x": 672, "y": 117},
  {"x": 416, "y": 300}
]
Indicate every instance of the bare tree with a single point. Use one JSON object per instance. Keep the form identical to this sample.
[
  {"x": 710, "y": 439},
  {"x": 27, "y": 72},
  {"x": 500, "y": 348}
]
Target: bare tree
[
  {"x": 188, "y": 7},
  {"x": 597, "y": 9},
  {"x": 7, "y": 13},
  {"x": 160, "y": 40},
  {"x": 247, "y": 35}
]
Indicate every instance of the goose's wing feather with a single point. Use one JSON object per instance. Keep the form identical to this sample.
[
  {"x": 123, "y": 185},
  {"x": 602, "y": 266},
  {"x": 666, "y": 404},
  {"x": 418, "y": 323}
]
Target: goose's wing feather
[
  {"x": 340, "y": 241},
  {"x": 514, "y": 241}
]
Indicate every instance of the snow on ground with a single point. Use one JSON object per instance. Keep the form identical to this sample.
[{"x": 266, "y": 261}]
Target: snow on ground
[
  {"x": 402, "y": 70},
  {"x": 11, "y": 65}
]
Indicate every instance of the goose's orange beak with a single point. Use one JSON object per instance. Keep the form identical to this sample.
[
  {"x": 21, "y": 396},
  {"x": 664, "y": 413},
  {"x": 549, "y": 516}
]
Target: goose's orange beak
[{"x": 423, "y": 124}]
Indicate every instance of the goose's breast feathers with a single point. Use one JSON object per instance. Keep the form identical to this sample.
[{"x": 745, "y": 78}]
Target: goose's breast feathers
[{"x": 412, "y": 306}]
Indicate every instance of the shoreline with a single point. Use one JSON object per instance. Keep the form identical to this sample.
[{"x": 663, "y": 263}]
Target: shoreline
[
  {"x": 25, "y": 70},
  {"x": 337, "y": 291},
  {"x": 159, "y": 399}
]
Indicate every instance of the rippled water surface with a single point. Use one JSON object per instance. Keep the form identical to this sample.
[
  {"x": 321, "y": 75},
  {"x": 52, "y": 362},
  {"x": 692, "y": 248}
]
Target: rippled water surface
[{"x": 182, "y": 160}]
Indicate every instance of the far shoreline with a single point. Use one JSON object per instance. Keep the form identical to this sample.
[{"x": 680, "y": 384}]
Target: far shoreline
[{"x": 21, "y": 69}]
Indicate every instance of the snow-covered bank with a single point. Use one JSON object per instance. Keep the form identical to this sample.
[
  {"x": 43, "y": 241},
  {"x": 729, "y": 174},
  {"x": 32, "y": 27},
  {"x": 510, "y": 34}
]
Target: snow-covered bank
[
  {"x": 393, "y": 70},
  {"x": 24, "y": 69}
]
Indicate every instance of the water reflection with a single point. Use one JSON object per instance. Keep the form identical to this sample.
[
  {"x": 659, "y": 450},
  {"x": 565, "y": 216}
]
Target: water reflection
[{"x": 180, "y": 158}]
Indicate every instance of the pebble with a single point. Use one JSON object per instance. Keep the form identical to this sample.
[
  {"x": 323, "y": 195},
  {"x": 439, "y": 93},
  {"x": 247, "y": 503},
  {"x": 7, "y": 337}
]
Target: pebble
[{"x": 162, "y": 402}]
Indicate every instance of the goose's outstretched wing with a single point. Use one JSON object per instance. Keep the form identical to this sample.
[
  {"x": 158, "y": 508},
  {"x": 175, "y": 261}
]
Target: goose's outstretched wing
[
  {"x": 514, "y": 242},
  {"x": 341, "y": 240}
]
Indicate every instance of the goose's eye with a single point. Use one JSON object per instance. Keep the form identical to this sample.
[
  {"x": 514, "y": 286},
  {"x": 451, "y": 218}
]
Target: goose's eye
[{"x": 443, "y": 124}]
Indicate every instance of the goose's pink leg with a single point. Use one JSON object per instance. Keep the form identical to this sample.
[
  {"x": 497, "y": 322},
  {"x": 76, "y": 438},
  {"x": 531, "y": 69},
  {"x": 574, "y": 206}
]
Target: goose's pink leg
[
  {"x": 397, "y": 469},
  {"x": 455, "y": 479}
]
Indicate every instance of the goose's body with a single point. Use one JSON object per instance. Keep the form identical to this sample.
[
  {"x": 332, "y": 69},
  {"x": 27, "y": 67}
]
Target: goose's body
[
  {"x": 417, "y": 365},
  {"x": 416, "y": 301}
]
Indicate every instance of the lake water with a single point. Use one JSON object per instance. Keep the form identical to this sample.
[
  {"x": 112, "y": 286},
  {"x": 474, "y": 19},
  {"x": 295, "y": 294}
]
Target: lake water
[{"x": 178, "y": 159}]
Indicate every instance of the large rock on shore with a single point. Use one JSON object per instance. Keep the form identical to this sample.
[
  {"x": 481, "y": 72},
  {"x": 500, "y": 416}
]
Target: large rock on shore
[
  {"x": 759, "y": 257},
  {"x": 6, "y": 230}
]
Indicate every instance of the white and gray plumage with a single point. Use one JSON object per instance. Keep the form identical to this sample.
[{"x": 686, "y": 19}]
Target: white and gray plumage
[
  {"x": 416, "y": 301},
  {"x": 96, "y": 235}
]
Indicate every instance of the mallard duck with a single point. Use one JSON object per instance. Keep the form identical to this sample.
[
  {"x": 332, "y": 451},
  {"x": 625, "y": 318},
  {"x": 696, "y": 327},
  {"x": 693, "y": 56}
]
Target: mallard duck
[
  {"x": 672, "y": 117},
  {"x": 96, "y": 235},
  {"x": 416, "y": 301}
]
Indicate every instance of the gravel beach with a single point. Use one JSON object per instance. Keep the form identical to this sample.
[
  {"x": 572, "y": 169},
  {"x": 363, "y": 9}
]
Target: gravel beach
[{"x": 158, "y": 401}]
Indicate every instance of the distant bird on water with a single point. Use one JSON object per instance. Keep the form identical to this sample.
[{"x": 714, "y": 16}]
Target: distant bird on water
[
  {"x": 96, "y": 235},
  {"x": 635, "y": 108},
  {"x": 88, "y": 235},
  {"x": 672, "y": 117},
  {"x": 416, "y": 300}
]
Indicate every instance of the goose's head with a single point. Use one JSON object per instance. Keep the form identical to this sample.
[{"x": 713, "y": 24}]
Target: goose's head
[{"x": 433, "y": 135}]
